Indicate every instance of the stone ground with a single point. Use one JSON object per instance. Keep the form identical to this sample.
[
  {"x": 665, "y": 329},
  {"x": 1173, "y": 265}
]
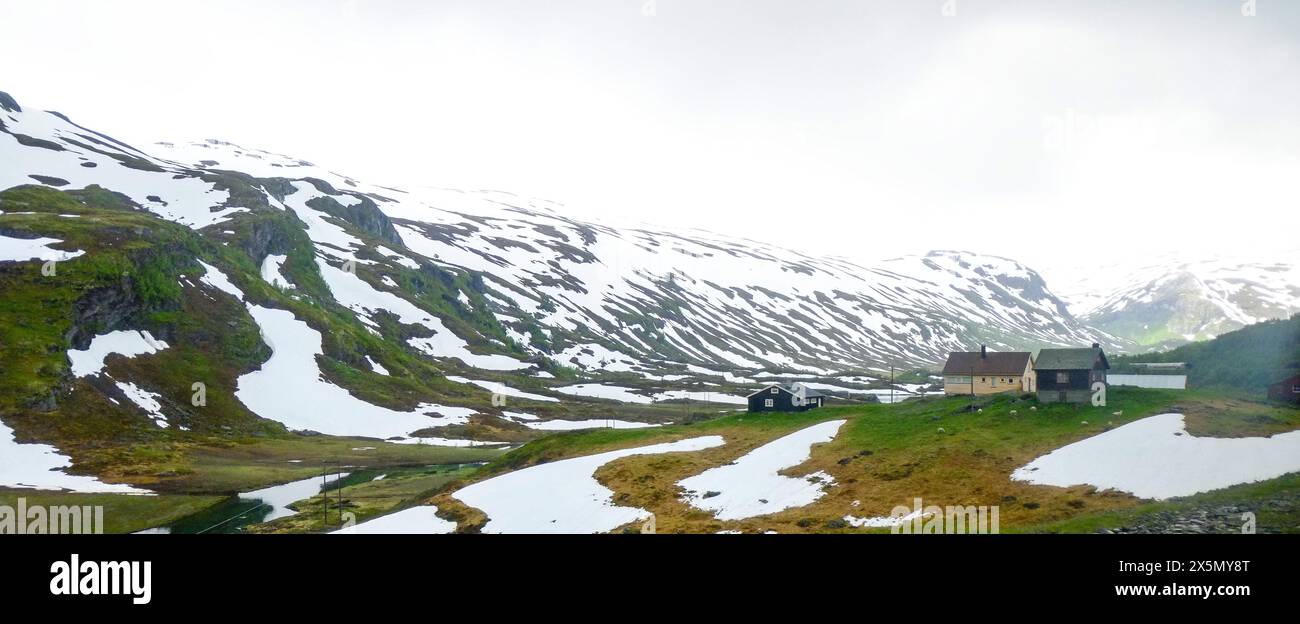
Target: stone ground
[{"x": 1211, "y": 519}]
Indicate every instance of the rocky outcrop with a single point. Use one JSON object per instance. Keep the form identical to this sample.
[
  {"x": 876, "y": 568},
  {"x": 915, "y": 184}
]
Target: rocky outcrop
[
  {"x": 365, "y": 215},
  {"x": 8, "y": 103},
  {"x": 103, "y": 310}
]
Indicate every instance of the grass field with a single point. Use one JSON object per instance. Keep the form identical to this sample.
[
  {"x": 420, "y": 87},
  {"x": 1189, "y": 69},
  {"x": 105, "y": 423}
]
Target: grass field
[
  {"x": 122, "y": 513},
  {"x": 885, "y": 456}
]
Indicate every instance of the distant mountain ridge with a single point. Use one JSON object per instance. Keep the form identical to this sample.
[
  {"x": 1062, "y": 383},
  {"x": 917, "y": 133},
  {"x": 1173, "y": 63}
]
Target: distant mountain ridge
[{"x": 1173, "y": 300}]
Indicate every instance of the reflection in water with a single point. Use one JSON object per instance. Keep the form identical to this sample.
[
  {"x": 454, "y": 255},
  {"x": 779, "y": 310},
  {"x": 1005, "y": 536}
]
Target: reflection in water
[{"x": 272, "y": 503}]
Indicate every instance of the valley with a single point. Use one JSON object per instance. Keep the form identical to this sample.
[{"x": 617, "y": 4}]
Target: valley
[{"x": 184, "y": 325}]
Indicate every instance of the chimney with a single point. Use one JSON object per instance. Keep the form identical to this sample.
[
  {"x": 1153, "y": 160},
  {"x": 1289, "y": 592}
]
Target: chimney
[
  {"x": 984, "y": 351},
  {"x": 1096, "y": 345}
]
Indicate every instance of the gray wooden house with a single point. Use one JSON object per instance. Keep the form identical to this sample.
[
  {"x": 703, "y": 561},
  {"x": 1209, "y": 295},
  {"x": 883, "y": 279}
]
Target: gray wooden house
[{"x": 1067, "y": 375}]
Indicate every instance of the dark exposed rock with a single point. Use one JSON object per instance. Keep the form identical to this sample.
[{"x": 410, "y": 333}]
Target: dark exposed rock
[
  {"x": 102, "y": 310},
  {"x": 265, "y": 235},
  {"x": 35, "y": 142},
  {"x": 50, "y": 180},
  {"x": 8, "y": 103},
  {"x": 365, "y": 215}
]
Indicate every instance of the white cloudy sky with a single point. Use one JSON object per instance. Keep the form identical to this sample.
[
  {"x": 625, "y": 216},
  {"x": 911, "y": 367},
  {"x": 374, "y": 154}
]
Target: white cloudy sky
[{"x": 1036, "y": 130}]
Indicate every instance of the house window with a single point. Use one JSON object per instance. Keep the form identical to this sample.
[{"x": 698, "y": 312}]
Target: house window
[
  {"x": 1295, "y": 389},
  {"x": 767, "y": 403},
  {"x": 774, "y": 391},
  {"x": 958, "y": 379},
  {"x": 1063, "y": 378}
]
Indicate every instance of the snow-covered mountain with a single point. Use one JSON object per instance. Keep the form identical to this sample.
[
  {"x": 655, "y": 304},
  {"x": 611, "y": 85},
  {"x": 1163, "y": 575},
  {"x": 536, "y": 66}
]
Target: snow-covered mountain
[
  {"x": 580, "y": 293},
  {"x": 620, "y": 299},
  {"x": 1172, "y": 299}
]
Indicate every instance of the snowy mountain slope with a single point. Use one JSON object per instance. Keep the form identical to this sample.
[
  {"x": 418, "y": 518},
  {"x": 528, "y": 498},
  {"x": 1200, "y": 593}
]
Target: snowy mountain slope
[
  {"x": 1174, "y": 299},
  {"x": 626, "y": 297},
  {"x": 581, "y": 293},
  {"x": 47, "y": 148}
]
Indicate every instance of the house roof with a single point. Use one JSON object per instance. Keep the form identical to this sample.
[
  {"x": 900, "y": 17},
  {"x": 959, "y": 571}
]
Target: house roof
[
  {"x": 1070, "y": 359},
  {"x": 992, "y": 363},
  {"x": 807, "y": 392},
  {"x": 1294, "y": 379}
]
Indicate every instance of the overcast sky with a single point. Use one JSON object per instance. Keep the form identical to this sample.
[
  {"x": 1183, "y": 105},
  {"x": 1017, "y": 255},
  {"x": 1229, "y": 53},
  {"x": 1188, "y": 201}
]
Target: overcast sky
[{"x": 866, "y": 129}]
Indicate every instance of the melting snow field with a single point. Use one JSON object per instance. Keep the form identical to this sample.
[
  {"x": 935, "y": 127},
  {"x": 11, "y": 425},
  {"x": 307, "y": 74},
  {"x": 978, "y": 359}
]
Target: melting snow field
[
  {"x": 628, "y": 395},
  {"x": 563, "y": 496},
  {"x": 130, "y": 343},
  {"x": 595, "y": 423},
  {"x": 1156, "y": 458},
  {"x": 708, "y": 397},
  {"x": 500, "y": 388},
  {"x": 271, "y": 272},
  {"x": 414, "y": 521},
  {"x": 145, "y": 400},
  {"x": 600, "y": 391},
  {"x": 24, "y": 249},
  {"x": 40, "y": 467},
  {"x": 289, "y": 387},
  {"x": 751, "y": 486}
]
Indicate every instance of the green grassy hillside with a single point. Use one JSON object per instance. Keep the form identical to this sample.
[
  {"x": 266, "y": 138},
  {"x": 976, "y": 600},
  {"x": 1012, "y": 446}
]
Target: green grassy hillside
[{"x": 1248, "y": 359}]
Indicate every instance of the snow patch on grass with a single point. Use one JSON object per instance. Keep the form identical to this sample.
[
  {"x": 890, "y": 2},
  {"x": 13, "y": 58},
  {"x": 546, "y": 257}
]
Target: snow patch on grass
[
  {"x": 24, "y": 249},
  {"x": 601, "y": 391},
  {"x": 751, "y": 486},
  {"x": 595, "y": 423},
  {"x": 1156, "y": 458},
  {"x": 271, "y": 272},
  {"x": 421, "y": 520},
  {"x": 145, "y": 400},
  {"x": 128, "y": 343},
  {"x": 500, "y": 388},
  {"x": 41, "y": 467},
  {"x": 563, "y": 496}
]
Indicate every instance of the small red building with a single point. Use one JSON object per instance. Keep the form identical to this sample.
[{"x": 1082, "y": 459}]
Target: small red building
[{"x": 1287, "y": 390}]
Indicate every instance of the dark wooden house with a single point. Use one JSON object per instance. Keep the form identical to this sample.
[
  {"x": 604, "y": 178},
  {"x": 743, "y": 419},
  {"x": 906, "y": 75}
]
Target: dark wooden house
[
  {"x": 1067, "y": 375},
  {"x": 795, "y": 397},
  {"x": 1287, "y": 390}
]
